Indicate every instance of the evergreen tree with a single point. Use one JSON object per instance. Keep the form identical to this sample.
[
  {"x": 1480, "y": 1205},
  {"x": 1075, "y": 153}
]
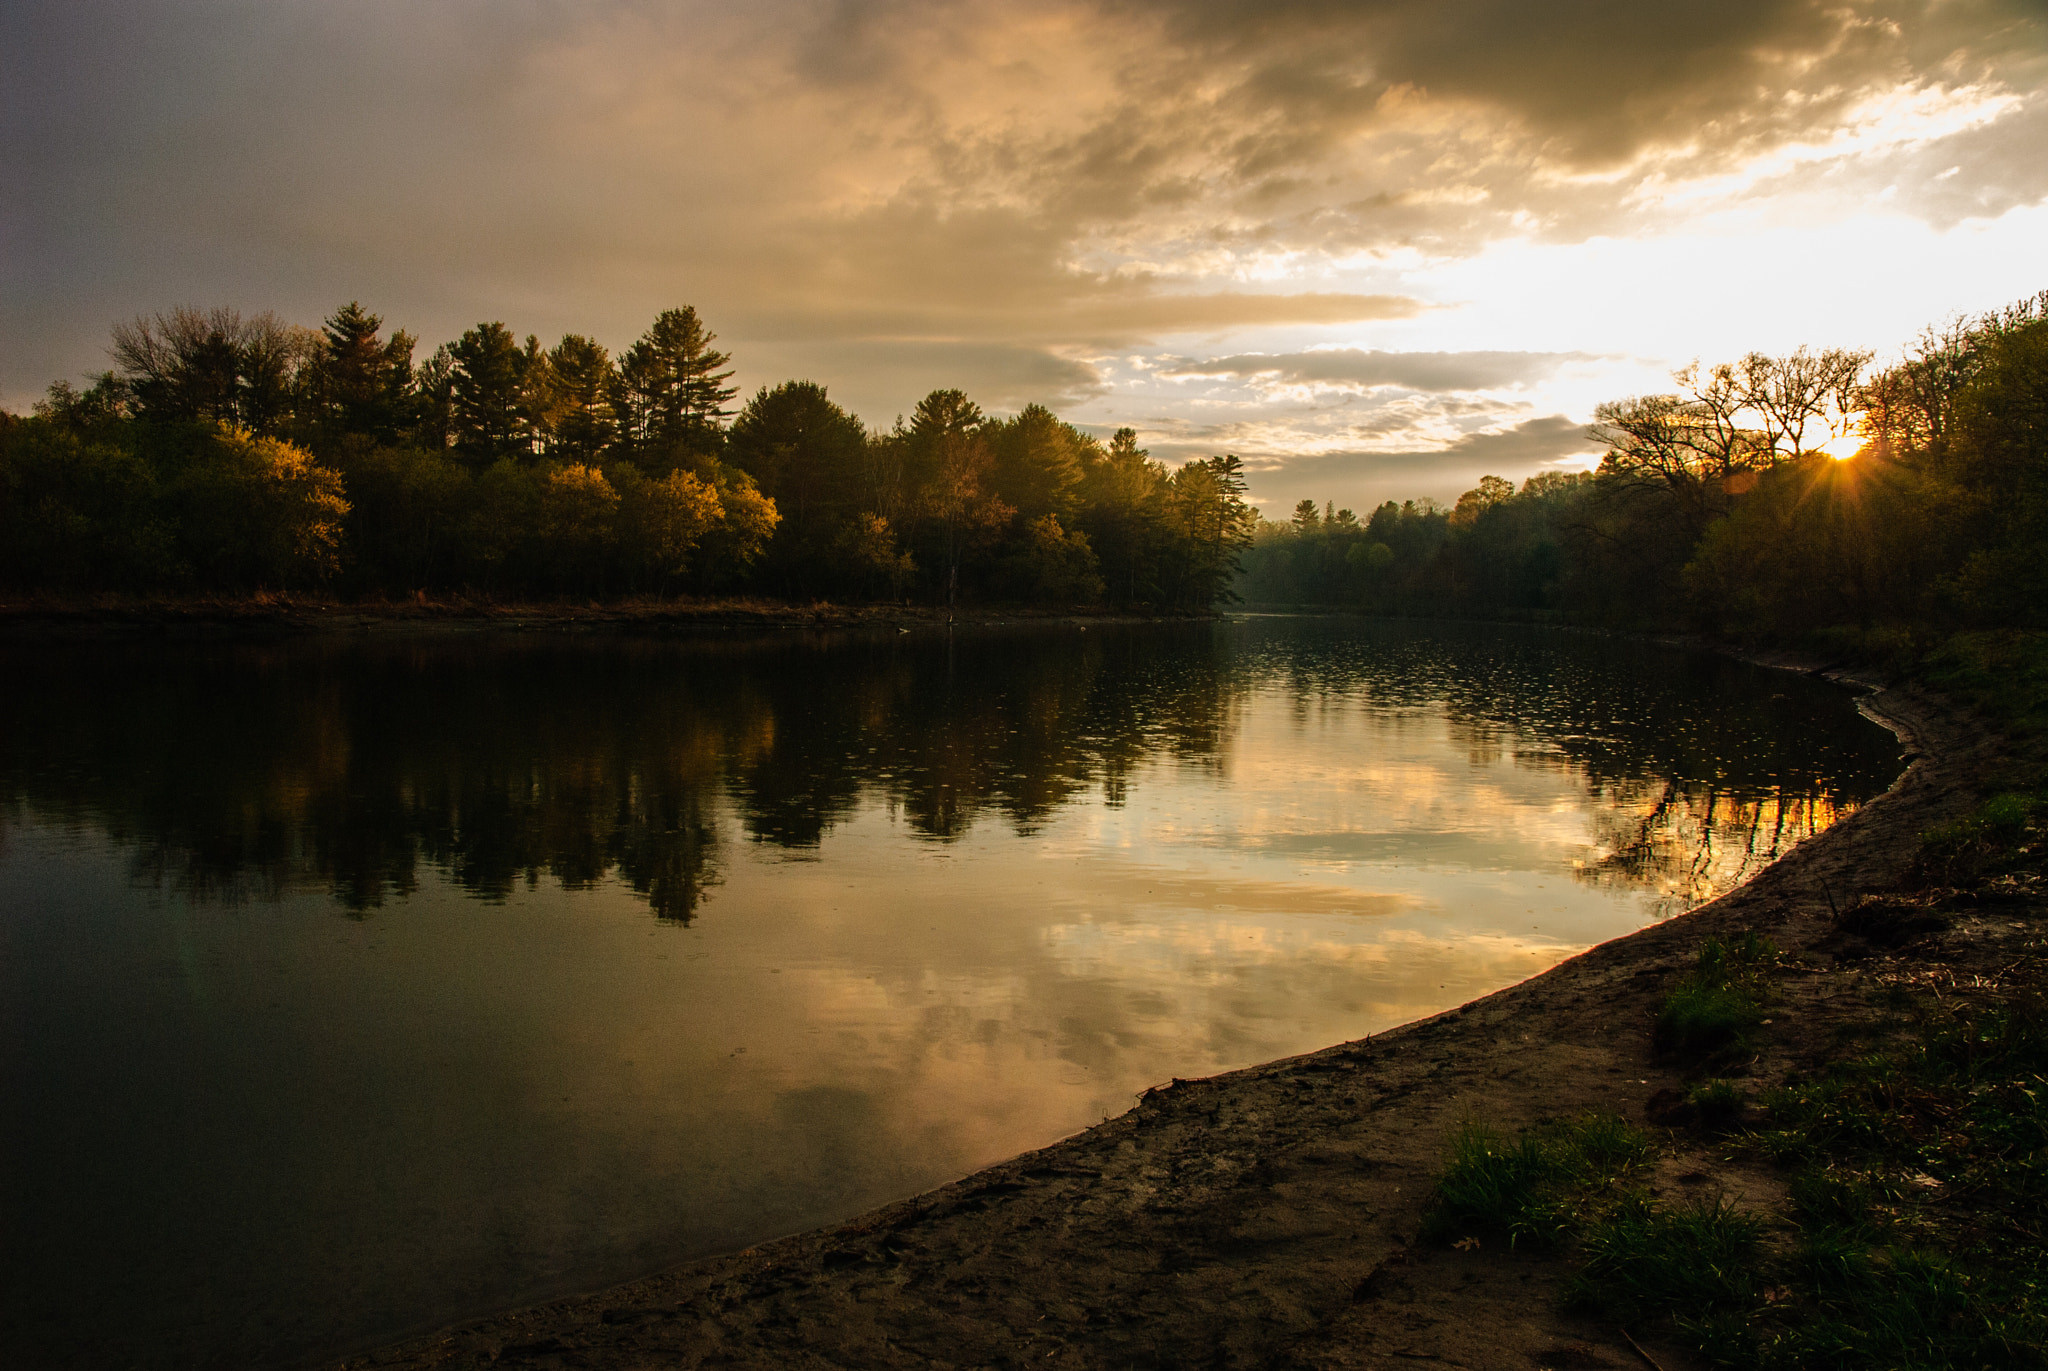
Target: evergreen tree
[
  {"x": 581, "y": 422},
  {"x": 952, "y": 463},
  {"x": 1212, "y": 525},
  {"x": 1121, "y": 515},
  {"x": 433, "y": 395},
  {"x": 485, "y": 397},
  {"x": 804, "y": 452},
  {"x": 1038, "y": 462},
  {"x": 359, "y": 380},
  {"x": 673, "y": 391},
  {"x": 944, "y": 412}
]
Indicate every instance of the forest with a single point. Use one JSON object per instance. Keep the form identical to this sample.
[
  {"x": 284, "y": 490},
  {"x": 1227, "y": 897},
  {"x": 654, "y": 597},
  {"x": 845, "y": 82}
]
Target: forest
[
  {"x": 1794, "y": 498},
  {"x": 225, "y": 454},
  {"x": 1769, "y": 498}
]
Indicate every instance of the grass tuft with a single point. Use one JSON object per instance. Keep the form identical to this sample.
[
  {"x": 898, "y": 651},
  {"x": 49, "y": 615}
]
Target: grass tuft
[
  {"x": 1534, "y": 1189},
  {"x": 1692, "y": 1267},
  {"x": 1718, "y": 1104},
  {"x": 2003, "y": 835},
  {"x": 1719, "y": 1003},
  {"x": 1865, "y": 1270}
]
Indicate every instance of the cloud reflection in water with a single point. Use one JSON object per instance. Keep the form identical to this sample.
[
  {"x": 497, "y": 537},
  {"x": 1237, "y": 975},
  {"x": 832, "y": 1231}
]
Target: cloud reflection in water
[{"x": 370, "y": 983}]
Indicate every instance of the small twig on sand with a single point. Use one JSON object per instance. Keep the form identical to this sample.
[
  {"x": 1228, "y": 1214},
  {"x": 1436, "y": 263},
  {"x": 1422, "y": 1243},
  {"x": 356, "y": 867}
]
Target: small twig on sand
[
  {"x": 1831, "y": 901},
  {"x": 1640, "y": 1352}
]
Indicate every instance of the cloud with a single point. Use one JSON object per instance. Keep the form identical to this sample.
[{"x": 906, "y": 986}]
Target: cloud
[
  {"x": 1525, "y": 448},
  {"x": 1429, "y": 371},
  {"x": 1106, "y": 314},
  {"x": 1519, "y": 452},
  {"x": 1597, "y": 80},
  {"x": 1362, "y": 478},
  {"x": 860, "y": 185},
  {"x": 872, "y": 379},
  {"x": 1236, "y": 129}
]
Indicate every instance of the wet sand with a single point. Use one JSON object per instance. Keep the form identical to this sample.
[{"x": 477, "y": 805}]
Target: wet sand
[{"x": 1269, "y": 1217}]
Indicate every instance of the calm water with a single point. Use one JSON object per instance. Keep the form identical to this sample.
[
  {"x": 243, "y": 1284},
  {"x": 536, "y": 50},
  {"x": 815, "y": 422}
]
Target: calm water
[{"x": 350, "y": 987}]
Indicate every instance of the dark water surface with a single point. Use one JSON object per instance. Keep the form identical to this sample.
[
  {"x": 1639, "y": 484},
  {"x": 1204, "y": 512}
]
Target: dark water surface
[{"x": 350, "y": 986}]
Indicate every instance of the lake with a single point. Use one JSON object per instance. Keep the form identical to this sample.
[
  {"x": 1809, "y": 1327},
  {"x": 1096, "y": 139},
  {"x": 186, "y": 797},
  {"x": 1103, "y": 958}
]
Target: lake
[{"x": 350, "y": 985}]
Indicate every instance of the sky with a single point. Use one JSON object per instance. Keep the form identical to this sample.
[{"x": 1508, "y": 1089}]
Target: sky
[{"x": 1376, "y": 249}]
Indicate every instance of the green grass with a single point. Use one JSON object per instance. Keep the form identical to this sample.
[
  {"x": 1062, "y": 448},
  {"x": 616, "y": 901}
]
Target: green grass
[
  {"x": 1717, "y": 1005},
  {"x": 1693, "y": 1268},
  {"x": 1885, "y": 1148},
  {"x": 2003, "y": 675},
  {"x": 1869, "y": 1286},
  {"x": 1719, "y": 1104},
  {"x": 2003, "y": 837},
  {"x": 1536, "y": 1189},
  {"x": 1911, "y": 1237}
]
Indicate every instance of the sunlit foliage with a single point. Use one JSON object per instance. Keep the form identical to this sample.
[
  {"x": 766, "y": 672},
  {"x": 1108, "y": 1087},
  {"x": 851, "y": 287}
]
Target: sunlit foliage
[
  {"x": 239, "y": 454},
  {"x": 1726, "y": 507}
]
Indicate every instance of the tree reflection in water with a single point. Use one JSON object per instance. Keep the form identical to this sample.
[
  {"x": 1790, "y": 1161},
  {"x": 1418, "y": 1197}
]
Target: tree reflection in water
[{"x": 245, "y": 770}]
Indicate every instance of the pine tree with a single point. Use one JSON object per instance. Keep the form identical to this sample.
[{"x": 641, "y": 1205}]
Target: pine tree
[
  {"x": 805, "y": 453},
  {"x": 673, "y": 391},
  {"x": 484, "y": 396},
  {"x": 1122, "y": 515},
  {"x": 581, "y": 420},
  {"x": 1038, "y": 463},
  {"x": 360, "y": 380}
]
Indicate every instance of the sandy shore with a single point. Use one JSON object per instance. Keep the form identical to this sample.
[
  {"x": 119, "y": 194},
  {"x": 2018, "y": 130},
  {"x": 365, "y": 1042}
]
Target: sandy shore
[{"x": 1268, "y": 1217}]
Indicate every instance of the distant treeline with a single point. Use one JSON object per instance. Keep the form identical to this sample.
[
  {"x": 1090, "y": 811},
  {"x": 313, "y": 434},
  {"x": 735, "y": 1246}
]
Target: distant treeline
[
  {"x": 1721, "y": 508},
  {"x": 232, "y": 454}
]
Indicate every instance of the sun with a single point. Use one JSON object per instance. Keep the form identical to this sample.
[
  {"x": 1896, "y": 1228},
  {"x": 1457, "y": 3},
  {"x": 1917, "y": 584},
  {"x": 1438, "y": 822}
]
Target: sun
[{"x": 1847, "y": 440}]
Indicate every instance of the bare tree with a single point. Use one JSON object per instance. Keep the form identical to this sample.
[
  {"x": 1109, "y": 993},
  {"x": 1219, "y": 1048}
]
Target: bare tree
[
  {"x": 1795, "y": 395},
  {"x": 1731, "y": 419},
  {"x": 213, "y": 364}
]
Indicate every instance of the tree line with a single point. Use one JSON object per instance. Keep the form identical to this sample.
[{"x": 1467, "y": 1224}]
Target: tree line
[
  {"x": 227, "y": 453},
  {"x": 1722, "y": 506}
]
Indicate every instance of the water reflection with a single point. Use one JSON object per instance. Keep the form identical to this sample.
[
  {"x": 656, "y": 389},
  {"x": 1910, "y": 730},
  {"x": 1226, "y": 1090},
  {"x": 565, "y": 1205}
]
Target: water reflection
[
  {"x": 246, "y": 770},
  {"x": 919, "y": 901},
  {"x": 256, "y": 769}
]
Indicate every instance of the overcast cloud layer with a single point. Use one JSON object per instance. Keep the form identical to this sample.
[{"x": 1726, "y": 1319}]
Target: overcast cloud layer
[{"x": 1372, "y": 247}]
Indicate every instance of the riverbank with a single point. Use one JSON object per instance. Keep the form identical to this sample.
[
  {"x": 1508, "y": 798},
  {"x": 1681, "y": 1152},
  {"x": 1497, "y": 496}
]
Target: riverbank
[
  {"x": 91, "y": 616},
  {"x": 1271, "y": 1216}
]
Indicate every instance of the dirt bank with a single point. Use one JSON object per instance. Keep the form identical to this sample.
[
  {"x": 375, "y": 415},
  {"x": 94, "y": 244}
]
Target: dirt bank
[{"x": 1268, "y": 1217}]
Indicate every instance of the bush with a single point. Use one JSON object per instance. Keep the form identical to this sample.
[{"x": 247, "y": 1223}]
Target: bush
[
  {"x": 79, "y": 510},
  {"x": 258, "y": 512}
]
